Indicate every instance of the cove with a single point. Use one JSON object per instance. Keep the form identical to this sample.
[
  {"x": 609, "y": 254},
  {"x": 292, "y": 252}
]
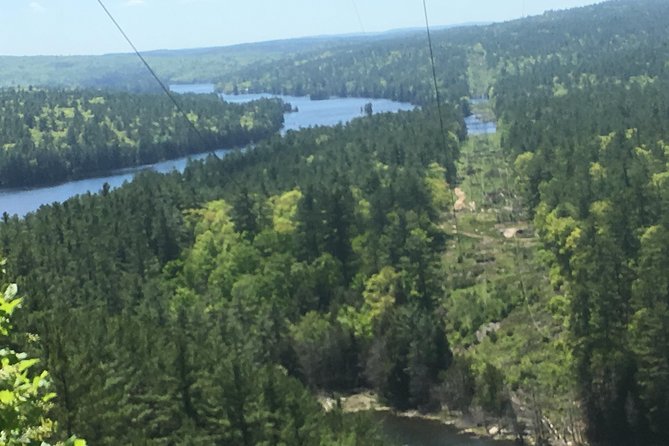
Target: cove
[{"x": 415, "y": 431}]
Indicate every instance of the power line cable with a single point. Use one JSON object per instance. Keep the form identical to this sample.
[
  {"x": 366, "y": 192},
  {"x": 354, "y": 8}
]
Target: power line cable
[
  {"x": 357, "y": 13},
  {"x": 165, "y": 89},
  {"x": 441, "y": 125},
  {"x": 153, "y": 73}
]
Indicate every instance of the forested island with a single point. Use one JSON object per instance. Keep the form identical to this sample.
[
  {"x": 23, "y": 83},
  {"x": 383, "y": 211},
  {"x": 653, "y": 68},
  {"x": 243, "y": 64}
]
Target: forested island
[
  {"x": 50, "y": 135},
  {"x": 516, "y": 279}
]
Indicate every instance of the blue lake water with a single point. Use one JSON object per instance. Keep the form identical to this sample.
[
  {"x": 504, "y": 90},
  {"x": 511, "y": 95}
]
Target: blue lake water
[
  {"x": 476, "y": 126},
  {"x": 328, "y": 112}
]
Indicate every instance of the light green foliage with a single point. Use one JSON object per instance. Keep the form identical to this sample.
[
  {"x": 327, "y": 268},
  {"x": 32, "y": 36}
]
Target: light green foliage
[
  {"x": 24, "y": 400},
  {"x": 379, "y": 295},
  {"x": 381, "y": 291},
  {"x": 24, "y": 393},
  {"x": 500, "y": 291},
  {"x": 442, "y": 198},
  {"x": 562, "y": 233},
  {"x": 215, "y": 234},
  {"x": 479, "y": 76},
  {"x": 559, "y": 89},
  {"x": 284, "y": 208}
]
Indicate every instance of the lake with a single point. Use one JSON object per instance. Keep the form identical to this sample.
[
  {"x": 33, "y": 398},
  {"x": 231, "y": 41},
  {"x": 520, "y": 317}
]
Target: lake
[
  {"x": 311, "y": 113},
  {"x": 328, "y": 112}
]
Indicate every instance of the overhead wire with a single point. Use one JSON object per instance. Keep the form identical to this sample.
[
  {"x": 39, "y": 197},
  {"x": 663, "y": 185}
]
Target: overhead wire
[
  {"x": 169, "y": 94},
  {"x": 164, "y": 87},
  {"x": 442, "y": 127},
  {"x": 357, "y": 14},
  {"x": 153, "y": 73},
  {"x": 455, "y": 218}
]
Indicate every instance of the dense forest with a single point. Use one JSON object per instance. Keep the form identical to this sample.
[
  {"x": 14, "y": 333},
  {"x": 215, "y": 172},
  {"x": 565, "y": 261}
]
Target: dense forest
[
  {"x": 195, "y": 302},
  {"x": 376, "y": 69},
  {"x": 582, "y": 102},
  {"x": 52, "y": 135},
  {"x": 587, "y": 120},
  {"x": 212, "y": 306},
  {"x": 125, "y": 72}
]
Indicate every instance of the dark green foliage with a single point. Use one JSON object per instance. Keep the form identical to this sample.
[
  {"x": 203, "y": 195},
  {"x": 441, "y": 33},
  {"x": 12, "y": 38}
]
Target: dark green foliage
[
  {"x": 126, "y": 72},
  {"x": 375, "y": 68},
  {"x": 491, "y": 392},
  {"x": 407, "y": 355},
  {"x": 167, "y": 317},
  {"x": 587, "y": 116},
  {"x": 459, "y": 385},
  {"x": 326, "y": 353},
  {"x": 206, "y": 321}
]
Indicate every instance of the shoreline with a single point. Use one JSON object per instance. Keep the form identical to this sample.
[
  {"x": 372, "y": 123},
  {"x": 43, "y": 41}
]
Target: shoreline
[{"x": 466, "y": 425}]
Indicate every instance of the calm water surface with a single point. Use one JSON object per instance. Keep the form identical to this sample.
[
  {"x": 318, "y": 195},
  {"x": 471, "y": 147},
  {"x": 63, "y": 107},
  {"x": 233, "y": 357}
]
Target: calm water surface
[
  {"x": 404, "y": 431},
  {"x": 476, "y": 126},
  {"x": 326, "y": 112}
]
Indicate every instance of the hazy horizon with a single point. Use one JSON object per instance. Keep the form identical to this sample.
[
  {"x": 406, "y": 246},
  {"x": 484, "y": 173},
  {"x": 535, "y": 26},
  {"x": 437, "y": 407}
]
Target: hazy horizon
[{"x": 68, "y": 27}]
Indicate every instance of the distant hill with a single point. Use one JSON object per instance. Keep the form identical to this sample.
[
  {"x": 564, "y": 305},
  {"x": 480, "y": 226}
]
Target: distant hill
[{"x": 123, "y": 71}]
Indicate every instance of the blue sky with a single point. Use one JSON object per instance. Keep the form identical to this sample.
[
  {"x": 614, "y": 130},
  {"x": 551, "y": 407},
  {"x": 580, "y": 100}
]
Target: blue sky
[{"x": 29, "y": 27}]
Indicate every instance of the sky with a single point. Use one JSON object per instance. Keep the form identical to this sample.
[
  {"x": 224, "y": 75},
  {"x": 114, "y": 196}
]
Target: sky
[{"x": 63, "y": 27}]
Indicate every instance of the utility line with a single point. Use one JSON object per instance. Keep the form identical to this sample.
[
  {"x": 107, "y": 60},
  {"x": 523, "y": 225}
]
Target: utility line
[
  {"x": 153, "y": 73},
  {"x": 357, "y": 13},
  {"x": 442, "y": 127}
]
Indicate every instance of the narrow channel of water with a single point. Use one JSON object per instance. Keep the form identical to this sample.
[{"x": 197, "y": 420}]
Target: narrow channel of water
[{"x": 476, "y": 126}]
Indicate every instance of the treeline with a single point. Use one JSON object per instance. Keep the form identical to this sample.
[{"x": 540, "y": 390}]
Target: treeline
[
  {"x": 54, "y": 135},
  {"x": 586, "y": 120},
  {"x": 370, "y": 66},
  {"x": 205, "y": 307},
  {"x": 125, "y": 72},
  {"x": 377, "y": 69}
]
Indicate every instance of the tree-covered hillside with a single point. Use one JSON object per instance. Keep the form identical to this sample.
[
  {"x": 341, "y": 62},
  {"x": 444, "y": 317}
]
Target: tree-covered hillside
[
  {"x": 211, "y": 306},
  {"x": 581, "y": 98},
  {"x": 127, "y": 73},
  {"x": 367, "y": 69},
  {"x": 200, "y": 307},
  {"x": 586, "y": 112}
]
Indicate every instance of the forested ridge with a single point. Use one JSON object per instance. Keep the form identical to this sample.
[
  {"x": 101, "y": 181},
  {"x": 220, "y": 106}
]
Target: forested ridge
[
  {"x": 50, "y": 135},
  {"x": 211, "y": 306},
  {"x": 374, "y": 69},
  {"x": 582, "y": 101},
  {"x": 588, "y": 126},
  {"x": 124, "y": 72}
]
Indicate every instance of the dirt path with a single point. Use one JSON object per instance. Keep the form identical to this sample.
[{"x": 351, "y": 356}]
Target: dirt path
[{"x": 461, "y": 199}]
